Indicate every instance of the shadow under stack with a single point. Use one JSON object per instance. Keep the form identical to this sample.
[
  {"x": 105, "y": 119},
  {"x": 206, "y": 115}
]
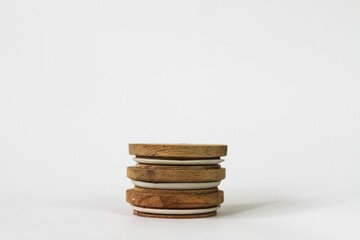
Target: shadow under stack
[{"x": 176, "y": 180}]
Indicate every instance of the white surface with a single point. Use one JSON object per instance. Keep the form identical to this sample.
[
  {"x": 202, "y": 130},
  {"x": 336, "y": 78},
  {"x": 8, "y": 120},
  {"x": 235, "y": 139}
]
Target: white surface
[
  {"x": 278, "y": 81},
  {"x": 178, "y": 162},
  {"x": 203, "y": 185},
  {"x": 175, "y": 211}
]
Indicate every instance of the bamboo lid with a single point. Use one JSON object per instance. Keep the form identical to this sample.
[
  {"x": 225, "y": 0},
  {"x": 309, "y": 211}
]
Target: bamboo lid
[{"x": 194, "y": 151}]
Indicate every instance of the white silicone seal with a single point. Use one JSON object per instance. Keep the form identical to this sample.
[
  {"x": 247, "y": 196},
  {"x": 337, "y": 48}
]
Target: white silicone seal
[
  {"x": 175, "y": 211},
  {"x": 183, "y": 186},
  {"x": 177, "y": 162}
]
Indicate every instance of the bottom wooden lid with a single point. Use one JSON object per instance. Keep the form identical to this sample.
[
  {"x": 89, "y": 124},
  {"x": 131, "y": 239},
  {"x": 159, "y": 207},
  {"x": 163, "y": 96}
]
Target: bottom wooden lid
[{"x": 174, "y": 199}]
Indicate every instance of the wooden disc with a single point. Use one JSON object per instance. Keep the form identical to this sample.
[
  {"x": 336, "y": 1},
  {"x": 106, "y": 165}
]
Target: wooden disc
[
  {"x": 174, "y": 199},
  {"x": 159, "y": 175},
  {"x": 151, "y": 215},
  {"x": 194, "y": 151}
]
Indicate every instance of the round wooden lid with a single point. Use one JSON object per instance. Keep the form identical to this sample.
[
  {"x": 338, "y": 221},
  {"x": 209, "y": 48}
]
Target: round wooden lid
[
  {"x": 176, "y": 174},
  {"x": 174, "y": 199},
  {"x": 178, "y": 150}
]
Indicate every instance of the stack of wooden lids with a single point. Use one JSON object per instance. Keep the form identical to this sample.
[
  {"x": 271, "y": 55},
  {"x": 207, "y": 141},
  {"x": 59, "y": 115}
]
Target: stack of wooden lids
[{"x": 176, "y": 180}]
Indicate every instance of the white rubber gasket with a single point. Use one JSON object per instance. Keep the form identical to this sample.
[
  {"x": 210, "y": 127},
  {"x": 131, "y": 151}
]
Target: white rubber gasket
[
  {"x": 175, "y": 211},
  {"x": 178, "y": 162},
  {"x": 181, "y": 186}
]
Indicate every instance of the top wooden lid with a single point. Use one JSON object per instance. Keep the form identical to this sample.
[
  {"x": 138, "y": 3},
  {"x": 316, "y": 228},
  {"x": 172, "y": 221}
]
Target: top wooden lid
[{"x": 178, "y": 150}]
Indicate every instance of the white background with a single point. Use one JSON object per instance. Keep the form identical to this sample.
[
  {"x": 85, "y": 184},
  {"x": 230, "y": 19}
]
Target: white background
[{"x": 278, "y": 81}]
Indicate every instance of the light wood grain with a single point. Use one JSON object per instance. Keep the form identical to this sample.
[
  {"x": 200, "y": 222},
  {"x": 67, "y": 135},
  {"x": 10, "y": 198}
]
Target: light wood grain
[
  {"x": 176, "y": 175},
  {"x": 168, "y": 191},
  {"x": 174, "y": 200},
  {"x": 176, "y": 151}
]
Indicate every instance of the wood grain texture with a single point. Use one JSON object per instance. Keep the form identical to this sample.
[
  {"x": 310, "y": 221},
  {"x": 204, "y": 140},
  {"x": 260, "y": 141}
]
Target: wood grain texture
[
  {"x": 174, "y": 200},
  {"x": 151, "y": 215},
  {"x": 194, "y": 151},
  {"x": 175, "y": 175}
]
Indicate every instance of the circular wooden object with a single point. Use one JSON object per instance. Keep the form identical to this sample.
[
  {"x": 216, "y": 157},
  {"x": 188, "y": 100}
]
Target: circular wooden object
[
  {"x": 178, "y": 162},
  {"x": 195, "y": 151},
  {"x": 176, "y": 186},
  {"x": 174, "y": 199},
  {"x": 175, "y": 175},
  {"x": 151, "y": 215}
]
